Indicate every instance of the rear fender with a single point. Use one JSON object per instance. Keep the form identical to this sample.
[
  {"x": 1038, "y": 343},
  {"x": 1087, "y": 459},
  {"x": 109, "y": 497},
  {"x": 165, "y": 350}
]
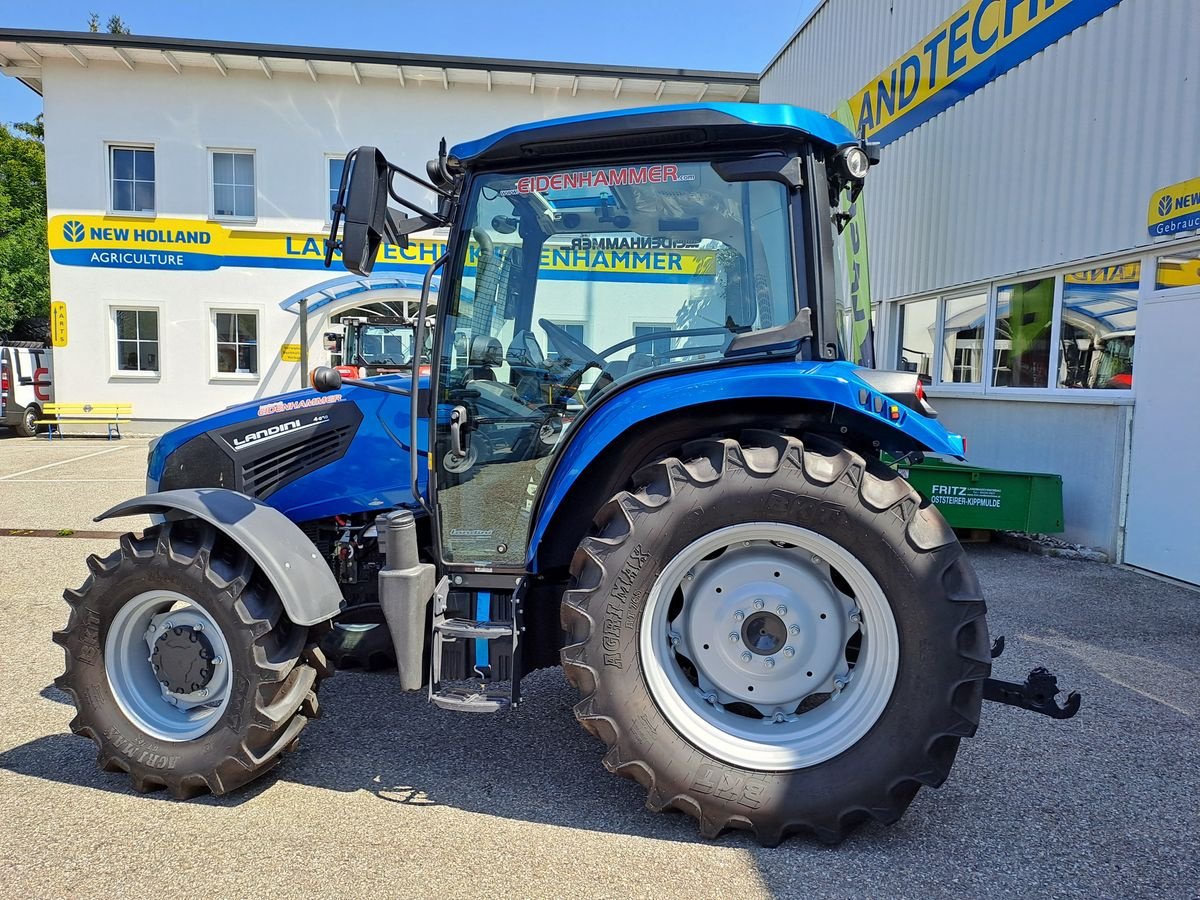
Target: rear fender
[
  {"x": 833, "y": 383},
  {"x": 305, "y": 585}
]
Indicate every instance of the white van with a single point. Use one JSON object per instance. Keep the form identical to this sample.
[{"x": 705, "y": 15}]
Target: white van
[{"x": 26, "y": 384}]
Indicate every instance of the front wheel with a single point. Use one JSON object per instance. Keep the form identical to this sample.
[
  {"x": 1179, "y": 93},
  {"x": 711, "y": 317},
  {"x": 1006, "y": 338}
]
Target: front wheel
[
  {"x": 183, "y": 665},
  {"x": 27, "y": 425},
  {"x": 775, "y": 636}
]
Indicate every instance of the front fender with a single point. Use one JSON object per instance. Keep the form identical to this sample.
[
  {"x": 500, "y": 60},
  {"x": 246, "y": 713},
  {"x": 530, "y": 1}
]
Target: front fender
[
  {"x": 305, "y": 585},
  {"x": 828, "y": 382}
]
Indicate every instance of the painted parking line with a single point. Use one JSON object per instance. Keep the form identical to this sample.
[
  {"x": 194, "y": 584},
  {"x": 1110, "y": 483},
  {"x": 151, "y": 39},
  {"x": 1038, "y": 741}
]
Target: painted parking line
[
  {"x": 14, "y": 480},
  {"x": 61, "y": 462}
]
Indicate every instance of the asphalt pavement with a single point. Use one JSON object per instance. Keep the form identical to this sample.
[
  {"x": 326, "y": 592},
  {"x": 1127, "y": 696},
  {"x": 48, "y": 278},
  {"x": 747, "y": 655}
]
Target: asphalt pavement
[{"x": 387, "y": 796}]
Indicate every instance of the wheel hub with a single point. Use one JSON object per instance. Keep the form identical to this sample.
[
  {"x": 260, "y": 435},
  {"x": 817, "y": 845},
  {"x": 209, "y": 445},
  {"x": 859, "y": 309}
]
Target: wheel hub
[
  {"x": 764, "y": 633},
  {"x": 764, "y": 625},
  {"x": 182, "y": 659},
  {"x": 768, "y": 645},
  {"x": 168, "y": 665}
]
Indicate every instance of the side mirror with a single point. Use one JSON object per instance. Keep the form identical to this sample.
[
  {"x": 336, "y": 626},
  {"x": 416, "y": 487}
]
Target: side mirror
[
  {"x": 366, "y": 210},
  {"x": 324, "y": 379}
]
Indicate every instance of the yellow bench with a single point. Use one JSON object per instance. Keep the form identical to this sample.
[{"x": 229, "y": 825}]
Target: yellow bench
[{"x": 111, "y": 415}]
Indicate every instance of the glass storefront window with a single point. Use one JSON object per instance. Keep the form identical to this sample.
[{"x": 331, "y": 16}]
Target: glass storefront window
[
  {"x": 1180, "y": 269},
  {"x": 962, "y": 339},
  {"x": 1021, "y": 334},
  {"x": 1099, "y": 315},
  {"x": 917, "y": 323}
]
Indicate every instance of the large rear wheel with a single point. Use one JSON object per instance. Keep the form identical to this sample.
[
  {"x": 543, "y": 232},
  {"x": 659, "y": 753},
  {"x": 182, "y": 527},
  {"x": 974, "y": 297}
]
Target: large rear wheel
[
  {"x": 775, "y": 636},
  {"x": 183, "y": 665}
]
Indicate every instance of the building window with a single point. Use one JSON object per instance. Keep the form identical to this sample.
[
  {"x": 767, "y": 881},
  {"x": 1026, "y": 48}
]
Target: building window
[
  {"x": 916, "y": 330},
  {"x": 963, "y": 321},
  {"x": 1096, "y": 328},
  {"x": 334, "y": 166},
  {"x": 132, "y": 170},
  {"x": 237, "y": 342},
  {"x": 1021, "y": 334},
  {"x": 233, "y": 184},
  {"x": 659, "y": 348},
  {"x": 574, "y": 329},
  {"x": 1181, "y": 269},
  {"x": 137, "y": 340}
]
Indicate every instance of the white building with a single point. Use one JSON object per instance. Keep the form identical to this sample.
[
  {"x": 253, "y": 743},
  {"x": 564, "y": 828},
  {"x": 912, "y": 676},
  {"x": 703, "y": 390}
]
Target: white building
[
  {"x": 1037, "y": 202},
  {"x": 190, "y": 184}
]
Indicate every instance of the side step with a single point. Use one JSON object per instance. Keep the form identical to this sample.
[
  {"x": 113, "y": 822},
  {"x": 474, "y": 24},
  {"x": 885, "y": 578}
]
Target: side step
[
  {"x": 483, "y": 695},
  {"x": 463, "y": 698}
]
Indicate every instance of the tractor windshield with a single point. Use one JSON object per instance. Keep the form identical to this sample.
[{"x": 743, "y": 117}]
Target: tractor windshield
[
  {"x": 571, "y": 282},
  {"x": 585, "y": 277}
]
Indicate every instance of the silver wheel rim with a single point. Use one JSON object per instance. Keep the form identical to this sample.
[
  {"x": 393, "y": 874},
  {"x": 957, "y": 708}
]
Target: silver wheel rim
[
  {"x": 769, "y": 646},
  {"x": 134, "y": 683}
]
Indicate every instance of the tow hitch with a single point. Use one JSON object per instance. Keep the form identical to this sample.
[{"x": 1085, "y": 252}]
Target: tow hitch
[{"x": 1037, "y": 694}]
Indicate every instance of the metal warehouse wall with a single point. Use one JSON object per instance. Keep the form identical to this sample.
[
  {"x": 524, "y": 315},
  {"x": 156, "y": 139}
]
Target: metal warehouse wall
[{"x": 1054, "y": 161}]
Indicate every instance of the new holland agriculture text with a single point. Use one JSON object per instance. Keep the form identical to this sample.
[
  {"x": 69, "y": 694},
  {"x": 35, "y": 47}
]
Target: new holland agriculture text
[{"x": 191, "y": 245}]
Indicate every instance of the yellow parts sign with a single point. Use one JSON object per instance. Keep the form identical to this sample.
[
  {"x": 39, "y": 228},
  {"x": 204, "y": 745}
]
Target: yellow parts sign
[
  {"x": 1174, "y": 208},
  {"x": 980, "y": 42},
  {"x": 289, "y": 353},
  {"x": 58, "y": 324}
]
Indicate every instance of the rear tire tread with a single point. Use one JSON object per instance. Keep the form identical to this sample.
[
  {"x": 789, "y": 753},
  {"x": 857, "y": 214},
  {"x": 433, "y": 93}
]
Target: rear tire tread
[{"x": 821, "y": 461}]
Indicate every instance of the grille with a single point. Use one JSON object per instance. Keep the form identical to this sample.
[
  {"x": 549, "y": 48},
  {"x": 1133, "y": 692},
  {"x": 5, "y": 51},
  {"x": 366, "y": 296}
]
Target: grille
[{"x": 263, "y": 477}]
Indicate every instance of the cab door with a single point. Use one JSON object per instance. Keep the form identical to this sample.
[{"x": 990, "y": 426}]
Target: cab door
[{"x": 497, "y": 419}]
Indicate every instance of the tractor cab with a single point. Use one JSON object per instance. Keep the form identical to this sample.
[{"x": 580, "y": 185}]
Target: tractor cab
[{"x": 587, "y": 255}]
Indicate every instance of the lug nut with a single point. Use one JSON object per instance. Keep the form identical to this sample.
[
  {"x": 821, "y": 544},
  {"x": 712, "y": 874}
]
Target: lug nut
[
  {"x": 733, "y": 637},
  {"x": 781, "y": 609},
  {"x": 746, "y": 656},
  {"x": 758, "y": 604},
  {"x": 203, "y": 692},
  {"x": 789, "y": 652},
  {"x": 217, "y": 661},
  {"x": 197, "y": 627},
  {"x": 779, "y": 718},
  {"x": 770, "y": 661},
  {"x": 795, "y": 629},
  {"x": 738, "y": 616}
]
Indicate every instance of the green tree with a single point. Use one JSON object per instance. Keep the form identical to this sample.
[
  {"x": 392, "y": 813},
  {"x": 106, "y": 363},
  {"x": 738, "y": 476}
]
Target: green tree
[
  {"x": 116, "y": 24},
  {"x": 24, "y": 259}
]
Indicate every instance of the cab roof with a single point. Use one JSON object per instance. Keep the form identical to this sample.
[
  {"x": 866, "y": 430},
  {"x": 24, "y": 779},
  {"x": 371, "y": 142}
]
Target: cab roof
[{"x": 693, "y": 125}]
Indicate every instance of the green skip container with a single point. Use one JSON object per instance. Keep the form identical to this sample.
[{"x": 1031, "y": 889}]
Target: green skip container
[{"x": 989, "y": 499}]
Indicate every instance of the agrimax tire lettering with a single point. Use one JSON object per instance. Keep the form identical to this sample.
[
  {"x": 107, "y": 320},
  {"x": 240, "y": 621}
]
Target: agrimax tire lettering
[{"x": 615, "y": 617}]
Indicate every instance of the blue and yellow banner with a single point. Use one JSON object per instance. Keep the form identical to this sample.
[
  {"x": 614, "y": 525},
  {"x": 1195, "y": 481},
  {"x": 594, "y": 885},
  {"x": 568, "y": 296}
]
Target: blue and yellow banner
[
  {"x": 1174, "y": 208},
  {"x": 124, "y": 242},
  {"x": 979, "y": 43}
]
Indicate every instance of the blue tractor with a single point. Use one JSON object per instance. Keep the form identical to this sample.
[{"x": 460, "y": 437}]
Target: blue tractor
[{"x": 638, "y": 452}]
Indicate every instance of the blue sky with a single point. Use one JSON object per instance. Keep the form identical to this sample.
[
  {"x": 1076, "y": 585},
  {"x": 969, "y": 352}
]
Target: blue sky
[{"x": 698, "y": 34}]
